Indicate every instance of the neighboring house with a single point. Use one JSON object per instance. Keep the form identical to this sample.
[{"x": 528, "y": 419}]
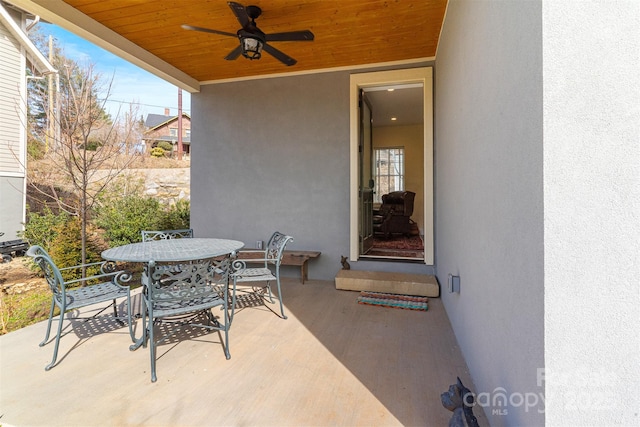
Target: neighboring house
[
  {"x": 17, "y": 53},
  {"x": 534, "y": 179},
  {"x": 165, "y": 128}
]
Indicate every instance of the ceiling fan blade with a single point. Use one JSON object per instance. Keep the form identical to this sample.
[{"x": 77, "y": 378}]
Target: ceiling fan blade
[
  {"x": 208, "y": 30},
  {"x": 291, "y": 36},
  {"x": 234, "y": 54},
  {"x": 280, "y": 56},
  {"x": 240, "y": 12}
]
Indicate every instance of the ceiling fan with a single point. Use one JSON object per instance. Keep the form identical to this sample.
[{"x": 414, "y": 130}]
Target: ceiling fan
[{"x": 252, "y": 39}]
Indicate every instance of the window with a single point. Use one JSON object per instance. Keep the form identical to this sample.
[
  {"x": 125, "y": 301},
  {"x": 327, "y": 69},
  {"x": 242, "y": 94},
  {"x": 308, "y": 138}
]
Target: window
[
  {"x": 389, "y": 171},
  {"x": 173, "y": 131}
]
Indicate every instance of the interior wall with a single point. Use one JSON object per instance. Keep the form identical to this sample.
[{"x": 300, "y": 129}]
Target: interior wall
[
  {"x": 489, "y": 199},
  {"x": 412, "y": 139}
]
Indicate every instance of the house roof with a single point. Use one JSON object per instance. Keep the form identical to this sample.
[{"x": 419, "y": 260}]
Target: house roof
[
  {"x": 154, "y": 121},
  {"x": 33, "y": 54},
  {"x": 348, "y": 34}
]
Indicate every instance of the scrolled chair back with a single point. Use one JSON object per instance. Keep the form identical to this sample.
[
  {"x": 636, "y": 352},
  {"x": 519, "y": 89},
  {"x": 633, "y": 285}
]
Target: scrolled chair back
[
  {"x": 148, "y": 235},
  {"x": 182, "y": 286},
  {"x": 49, "y": 268},
  {"x": 276, "y": 245}
]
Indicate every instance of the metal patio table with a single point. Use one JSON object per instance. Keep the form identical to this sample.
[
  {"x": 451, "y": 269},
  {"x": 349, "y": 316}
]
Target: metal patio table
[{"x": 172, "y": 250}]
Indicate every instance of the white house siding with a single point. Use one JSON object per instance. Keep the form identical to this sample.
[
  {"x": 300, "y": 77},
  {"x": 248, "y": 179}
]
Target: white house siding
[
  {"x": 591, "y": 75},
  {"x": 12, "y": 135},
  {"x": 489, "y": 199}
]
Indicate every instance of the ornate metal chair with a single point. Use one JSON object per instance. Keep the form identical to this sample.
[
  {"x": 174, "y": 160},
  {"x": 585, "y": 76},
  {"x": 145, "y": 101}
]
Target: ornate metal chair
[
  {"x": 148, "y": 235},
  {"x": 268, "y": 270},
  {"x": 174, "y": 298},
  {"x": 77, "y": 293}
]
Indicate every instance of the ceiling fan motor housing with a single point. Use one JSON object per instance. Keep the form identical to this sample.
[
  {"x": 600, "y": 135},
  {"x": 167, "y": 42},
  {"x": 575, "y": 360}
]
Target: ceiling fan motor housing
[
  {"x": 252, "y": 39},
  {"x": 253, "y": 12}
]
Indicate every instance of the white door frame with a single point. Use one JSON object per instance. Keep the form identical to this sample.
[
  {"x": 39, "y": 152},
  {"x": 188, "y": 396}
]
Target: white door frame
[{"x": 422, "y": 75}]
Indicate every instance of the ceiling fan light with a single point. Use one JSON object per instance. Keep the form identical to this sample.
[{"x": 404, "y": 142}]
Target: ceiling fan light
[{"x": 251, "y": 47}]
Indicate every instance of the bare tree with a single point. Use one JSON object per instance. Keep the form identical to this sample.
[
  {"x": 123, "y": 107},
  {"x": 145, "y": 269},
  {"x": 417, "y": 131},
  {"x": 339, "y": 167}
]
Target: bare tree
[{"x": 89, "y": 150}]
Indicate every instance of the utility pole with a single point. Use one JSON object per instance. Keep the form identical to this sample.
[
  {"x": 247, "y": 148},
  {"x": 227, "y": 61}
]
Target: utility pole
[
  {"x": 179, "y": 124},
  {"x": 51, "y": 119}
]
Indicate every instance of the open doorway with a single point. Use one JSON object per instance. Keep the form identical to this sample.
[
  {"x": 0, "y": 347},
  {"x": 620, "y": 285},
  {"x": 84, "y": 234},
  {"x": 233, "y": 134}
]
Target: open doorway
[{"x": 392, "y": 166}]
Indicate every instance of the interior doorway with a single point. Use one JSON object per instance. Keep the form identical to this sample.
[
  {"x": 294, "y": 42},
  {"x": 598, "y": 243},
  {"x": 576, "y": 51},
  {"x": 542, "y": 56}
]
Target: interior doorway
[{"x": 392, "y": 156}]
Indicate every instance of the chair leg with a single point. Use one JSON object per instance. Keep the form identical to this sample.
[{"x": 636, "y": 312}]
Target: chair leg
[
  {"x": 129, "y": 319},
  {"x": 137, "y": 343},
  {"x": 115, "y": 311},
  {"x": 55, "y": 348},
  {"x": 152, "y": 349},
  {"x": 46, "y": 337},
  {"x": 284, "y": 316},
  {"x": 233, "y": 302},
  {"x": 227, "y": 324},
  {"x": 145, "y": 327},
  {"x": 268, "y": 286}
]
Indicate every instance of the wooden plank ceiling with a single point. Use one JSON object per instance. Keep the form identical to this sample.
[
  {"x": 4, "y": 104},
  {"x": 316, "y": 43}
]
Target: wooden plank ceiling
[{"x": 347, "y": 33}]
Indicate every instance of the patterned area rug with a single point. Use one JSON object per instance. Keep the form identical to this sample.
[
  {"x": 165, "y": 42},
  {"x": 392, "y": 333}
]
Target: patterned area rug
[
  {"x": 407, "y": 302},
  {"x": 413, "y": 243},
  {"x": 397, "y": 247}
]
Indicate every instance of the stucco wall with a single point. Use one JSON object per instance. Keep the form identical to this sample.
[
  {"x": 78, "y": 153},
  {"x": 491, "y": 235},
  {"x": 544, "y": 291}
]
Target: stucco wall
[
  {"x": 592, "y": 212},
  {"x": 489, "y": 194},
  {"x": 273, "y": 154}
]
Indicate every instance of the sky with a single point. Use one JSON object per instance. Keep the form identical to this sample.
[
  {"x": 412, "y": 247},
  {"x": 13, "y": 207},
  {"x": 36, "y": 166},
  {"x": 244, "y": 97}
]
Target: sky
[{"x": 131, "y": 84}]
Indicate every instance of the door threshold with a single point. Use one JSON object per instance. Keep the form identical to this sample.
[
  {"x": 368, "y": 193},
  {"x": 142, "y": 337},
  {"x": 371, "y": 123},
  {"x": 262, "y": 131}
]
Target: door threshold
[{"x": 390, "y": 258}]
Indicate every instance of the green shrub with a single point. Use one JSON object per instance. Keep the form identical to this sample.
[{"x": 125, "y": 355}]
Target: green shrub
[
  {"x": 165, "y": 145},
  {"x": 93, "y": 144},
  {"x": 157, "y": 152},
  {"x": 35, "y": 149},
  {"x": 176, "y": 217},
  {"x": 41, "y": 229},
  {"x": 66, "y": 249},
  {"x": 123, "y": 219}
]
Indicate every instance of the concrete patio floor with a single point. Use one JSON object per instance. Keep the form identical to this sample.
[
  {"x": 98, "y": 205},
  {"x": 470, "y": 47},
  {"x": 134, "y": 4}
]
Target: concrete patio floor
[{"x": 332, "y": 362}]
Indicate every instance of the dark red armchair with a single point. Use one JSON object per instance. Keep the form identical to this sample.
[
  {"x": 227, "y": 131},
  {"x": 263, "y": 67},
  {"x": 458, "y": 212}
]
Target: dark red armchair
[{"x": 394, "y": 216}]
